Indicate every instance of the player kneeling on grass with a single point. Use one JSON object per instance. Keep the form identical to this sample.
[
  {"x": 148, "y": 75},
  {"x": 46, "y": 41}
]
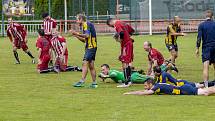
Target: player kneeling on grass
[
  {"x": 59, "y": 47},
  {"x": 162, "y": 88},
  {"x": 44, "y": 50},
  {"x": 155, "y": 58},
  {"x": 17, "y": 35},
  {"x": 119, "y": 77}
]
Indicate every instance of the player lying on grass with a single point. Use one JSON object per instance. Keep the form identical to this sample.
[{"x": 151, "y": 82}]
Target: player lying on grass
[
  {"x": 162, "y": 88},
  {"x": 164, "y": 77},
  {"x": 17, "y": 35},
  {"x": 119, "y": 77},
  {"x": 44, "y": 56},
  {"x": 155, "y": 58}
]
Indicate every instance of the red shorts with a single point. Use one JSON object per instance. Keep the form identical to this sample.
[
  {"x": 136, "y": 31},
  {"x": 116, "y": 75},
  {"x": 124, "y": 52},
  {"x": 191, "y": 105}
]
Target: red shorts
[
  {"x": 62, "y": 63},
  {"x": 127, "y": 54},
  {"x": 20, "y": 44},
  {"x": 44, "y": 62}
]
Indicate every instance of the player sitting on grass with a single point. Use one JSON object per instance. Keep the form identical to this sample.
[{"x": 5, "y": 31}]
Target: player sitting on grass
[
  {"x": 164, "y": 77},
  {"x": 156, "y": 59},
  {"x": 119, "y": 77},
  {"x": 17, "y": 35},
  {"x": 60, "y": 50},
  {"x": 162, "y": 88}
]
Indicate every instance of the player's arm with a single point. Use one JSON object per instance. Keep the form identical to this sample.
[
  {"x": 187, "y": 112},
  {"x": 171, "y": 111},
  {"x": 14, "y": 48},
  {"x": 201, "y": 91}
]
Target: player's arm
[
  {"x": 149, "y": 67},
  {"x": 10, "y": 36},
  {"x": 173, "y": 32},
  {"x": 80, "y": 38},
  {"x": 144, "y": 92},
  {"x": 199, "y": 38},
  {"x": 64, "y": 48}
]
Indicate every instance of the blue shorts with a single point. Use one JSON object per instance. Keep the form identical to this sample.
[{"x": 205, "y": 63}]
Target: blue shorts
[
  {"x": 90, "y": 54},
  {"x": 172, "y": 47},
  {"x": 208, "y": 54},
  {"x": 188, "y": 90}
]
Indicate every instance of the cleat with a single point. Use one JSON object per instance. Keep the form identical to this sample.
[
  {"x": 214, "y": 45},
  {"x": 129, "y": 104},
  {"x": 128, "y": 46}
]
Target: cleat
[{"x": 79, "y": 84}]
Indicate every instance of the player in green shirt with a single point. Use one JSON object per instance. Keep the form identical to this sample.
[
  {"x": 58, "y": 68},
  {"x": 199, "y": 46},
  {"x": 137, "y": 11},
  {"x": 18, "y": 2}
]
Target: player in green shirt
[{"x": 118, "y": 76}]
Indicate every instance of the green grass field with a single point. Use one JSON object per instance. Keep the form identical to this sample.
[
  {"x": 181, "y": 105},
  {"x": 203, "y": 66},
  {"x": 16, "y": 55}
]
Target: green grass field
[{"x": 26, "y": 95}]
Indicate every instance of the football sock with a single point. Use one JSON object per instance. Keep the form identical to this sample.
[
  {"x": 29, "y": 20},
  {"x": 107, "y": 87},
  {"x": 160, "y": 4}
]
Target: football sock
[
  {"x": 16, "y": 55},
  {"x": 127, "y": 74},
  {"x": 29, "y": 54}
]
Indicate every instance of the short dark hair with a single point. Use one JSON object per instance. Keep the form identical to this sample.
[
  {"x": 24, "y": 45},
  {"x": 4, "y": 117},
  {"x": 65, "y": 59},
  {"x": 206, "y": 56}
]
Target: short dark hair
[
  {"x": 45, "y": 14},
  {"x": 108, "y": 21},
  {"x": 150, "y": 81},
  {"x": 149, "y": 44},
  {"x": 81, "y": 16},
  {"x": 211, "y": 13},
  {"x": 41, "y": 32},
  {"x": 157, "y": 69},
  {"x": 105, "y": 65}
]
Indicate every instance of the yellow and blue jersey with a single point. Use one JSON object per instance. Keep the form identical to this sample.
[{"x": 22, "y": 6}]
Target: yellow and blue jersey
[
  {"x": 171, "y": 39},
  {"x": 88, "y": 28},
  {"x": 166, "y": 78},
  {"x": 163, "y": 88}
]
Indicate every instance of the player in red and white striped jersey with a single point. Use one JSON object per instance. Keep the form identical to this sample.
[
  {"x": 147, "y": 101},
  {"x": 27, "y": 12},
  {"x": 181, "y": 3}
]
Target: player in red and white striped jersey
[
  {"x": 49, "y": 25},
  {"x": 59, "y": 47},
  {"x": 17, "y": 35}
]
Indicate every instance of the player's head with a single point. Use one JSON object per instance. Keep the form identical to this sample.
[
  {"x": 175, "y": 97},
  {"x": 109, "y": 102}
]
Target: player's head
[
  {"x": 45, "y": 15},
  {"x": 81, "y": 18},
  {"x": 105, "y": 69},
  {"x": 209, "y": 14},
  {"x": 10, "y": 20},
  {"x": 148, "y": 84},
  {"x": 110, "y": 22},
  {"x": 41, "y": 32},
  {"x": 147, "y": 46},
  {"x": 157, "y": 70},
  {"x": 177, "y": 19}
]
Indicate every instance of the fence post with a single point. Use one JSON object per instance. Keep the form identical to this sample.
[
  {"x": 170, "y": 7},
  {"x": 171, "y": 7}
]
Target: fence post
[
  {"x": 65, "y": 14},
  {"x": 150, "y": 17},
  {"x": 2, "y": 19}
]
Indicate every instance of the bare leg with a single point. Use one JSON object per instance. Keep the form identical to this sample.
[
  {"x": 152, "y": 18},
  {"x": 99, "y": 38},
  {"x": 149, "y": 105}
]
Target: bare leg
[
  {"x": 84, "y": 70},
  {"x": 92, "y": 71},
  {"x": 174, "y": 55},
  {"x": 206, "y": 91}
]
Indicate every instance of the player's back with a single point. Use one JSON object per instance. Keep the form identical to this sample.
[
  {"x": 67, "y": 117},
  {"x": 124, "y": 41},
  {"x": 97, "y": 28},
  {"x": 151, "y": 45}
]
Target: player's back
[
  {"x": 154, "y": 54},
  {"x": 116, "y": 76},
  {"x": 44, "y": 44},
  {"x": 163, "y": 88},
  {"x": 57, "y": 45},
  {"x": 121, "y": 26},
  {"x": 207, "y": 29}
]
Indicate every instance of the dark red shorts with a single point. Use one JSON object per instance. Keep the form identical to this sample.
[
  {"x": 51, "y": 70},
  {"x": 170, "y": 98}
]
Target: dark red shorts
[
  {"x": 20, "y": 44},
  {"x": 62, "y": 63},
  {"x": 44, "y": 64},
  {"x": 127, "y": 54}
]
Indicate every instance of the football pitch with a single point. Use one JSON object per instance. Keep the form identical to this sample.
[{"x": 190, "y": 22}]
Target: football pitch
[{"x": 28, "y": 96}]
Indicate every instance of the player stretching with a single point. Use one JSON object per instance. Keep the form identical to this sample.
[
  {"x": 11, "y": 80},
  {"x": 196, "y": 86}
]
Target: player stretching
[
  {"x": 44, "y": 50},
  {"x": 124, "y": 31},
  {"x": 17, "y": 35},
  {"x": 162, "y": 88},
  {"x": 87, "y": 36},
  {"x": 173, "y": 31}
]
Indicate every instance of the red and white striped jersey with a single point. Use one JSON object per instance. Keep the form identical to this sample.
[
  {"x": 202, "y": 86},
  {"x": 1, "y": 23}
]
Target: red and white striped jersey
[
  {"x": 17, "y": 31},
  {"x": 48, "y": 25},
  {"x": 57, "y": 45}
]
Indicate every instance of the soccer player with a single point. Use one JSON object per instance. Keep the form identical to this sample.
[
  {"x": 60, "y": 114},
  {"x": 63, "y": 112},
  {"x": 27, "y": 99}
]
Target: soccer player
[
  {"x": 17, "y": 35},
  {"x": 123, "y": 35},
  {"x": 173, "y": 31},
  {"x": 87, "y": 36},
  {"x": 44, "y": 50},
  {"x": 155, "y": 58},
  {"x": 60, "y": 50},
  {"x": 206, "y": 32},
  {"x": 118, "y": 76},
  {"x": 49, "y": 25},
  {"x": 162, "y": 88}
]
